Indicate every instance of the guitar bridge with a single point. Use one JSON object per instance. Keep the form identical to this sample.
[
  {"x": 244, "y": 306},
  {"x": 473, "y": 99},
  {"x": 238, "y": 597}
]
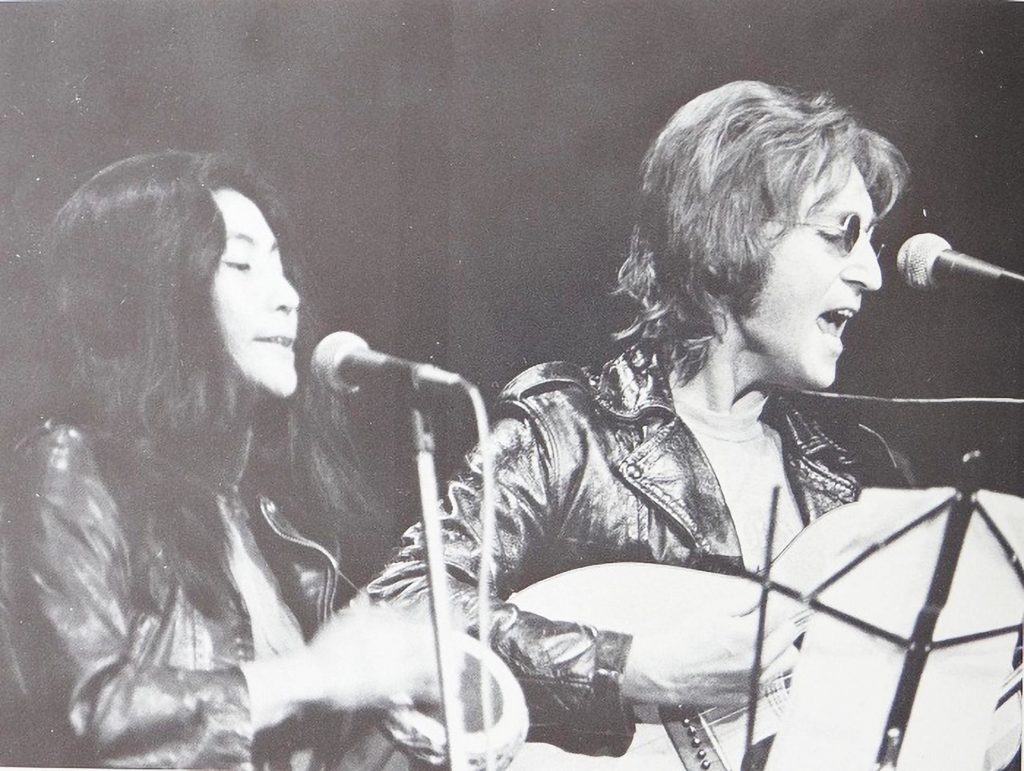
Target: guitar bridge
[{"x": 694, "y": 745}]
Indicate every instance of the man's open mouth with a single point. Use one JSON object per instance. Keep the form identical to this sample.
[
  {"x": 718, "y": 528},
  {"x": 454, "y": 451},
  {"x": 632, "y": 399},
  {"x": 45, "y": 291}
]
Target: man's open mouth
[{"x": 834, "y": 321}]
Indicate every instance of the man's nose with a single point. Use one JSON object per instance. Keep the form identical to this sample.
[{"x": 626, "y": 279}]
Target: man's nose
[{"x": 863, "y": 268}]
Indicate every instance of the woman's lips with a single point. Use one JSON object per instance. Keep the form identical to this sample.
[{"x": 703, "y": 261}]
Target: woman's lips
[{"x": 283, "y": 341}]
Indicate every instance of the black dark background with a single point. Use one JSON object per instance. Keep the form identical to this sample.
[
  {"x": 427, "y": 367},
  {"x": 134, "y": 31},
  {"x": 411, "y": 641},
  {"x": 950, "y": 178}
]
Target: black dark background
[{"x": 462, "y": 172}]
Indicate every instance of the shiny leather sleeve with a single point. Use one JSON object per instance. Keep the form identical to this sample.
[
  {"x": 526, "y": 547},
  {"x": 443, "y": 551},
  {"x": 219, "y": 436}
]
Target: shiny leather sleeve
[
  {"x": 66, "y": 568},
  {"x": 569, "y": 672}
]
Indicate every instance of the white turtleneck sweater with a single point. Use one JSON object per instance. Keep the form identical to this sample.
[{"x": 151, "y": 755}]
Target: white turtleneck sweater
[{"x": 746, "y": 456}]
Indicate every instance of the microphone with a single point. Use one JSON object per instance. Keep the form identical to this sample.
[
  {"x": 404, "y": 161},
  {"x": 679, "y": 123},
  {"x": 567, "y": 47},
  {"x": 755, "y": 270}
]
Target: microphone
[
  {"x": 927, "y": 260},
  {"x": 344, "y": 361}
]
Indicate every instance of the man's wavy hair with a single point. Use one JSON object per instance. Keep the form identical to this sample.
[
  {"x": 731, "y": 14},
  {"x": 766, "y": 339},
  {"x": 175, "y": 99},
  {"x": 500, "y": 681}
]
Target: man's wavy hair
[{"x": 727, "y": 163}]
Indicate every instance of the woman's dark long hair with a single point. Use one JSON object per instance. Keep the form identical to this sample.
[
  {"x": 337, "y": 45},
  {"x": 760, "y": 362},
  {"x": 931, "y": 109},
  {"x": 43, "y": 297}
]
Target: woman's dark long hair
[{"x": 132, "y": 257}]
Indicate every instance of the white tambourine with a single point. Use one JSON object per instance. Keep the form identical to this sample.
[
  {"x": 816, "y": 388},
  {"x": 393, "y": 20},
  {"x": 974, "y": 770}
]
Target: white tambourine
[{"x": 422, "y": 732}]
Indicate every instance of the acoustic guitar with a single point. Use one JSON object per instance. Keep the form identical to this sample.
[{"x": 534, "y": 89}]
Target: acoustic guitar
[{"x": 635, "y": 597}]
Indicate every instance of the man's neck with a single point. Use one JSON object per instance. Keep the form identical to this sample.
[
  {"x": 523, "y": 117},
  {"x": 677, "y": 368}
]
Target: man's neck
[{"x": 718, "y": 387}]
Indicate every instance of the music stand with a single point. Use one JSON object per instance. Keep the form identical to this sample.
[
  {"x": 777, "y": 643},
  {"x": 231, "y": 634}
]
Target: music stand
[{"x": 897, "y": 690}]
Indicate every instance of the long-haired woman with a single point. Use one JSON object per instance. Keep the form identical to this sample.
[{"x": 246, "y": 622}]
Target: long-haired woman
[{"x": 172, "y": 557}]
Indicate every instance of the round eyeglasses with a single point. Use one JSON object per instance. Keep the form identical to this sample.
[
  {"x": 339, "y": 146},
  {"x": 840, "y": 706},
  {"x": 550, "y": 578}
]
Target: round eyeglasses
[{"x": 844, "y": 236}]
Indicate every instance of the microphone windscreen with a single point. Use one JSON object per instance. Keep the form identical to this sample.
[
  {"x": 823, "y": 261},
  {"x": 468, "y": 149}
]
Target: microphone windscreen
[
  {"x": 916, "y": 259},
  {"x": 332, "y": 350}
]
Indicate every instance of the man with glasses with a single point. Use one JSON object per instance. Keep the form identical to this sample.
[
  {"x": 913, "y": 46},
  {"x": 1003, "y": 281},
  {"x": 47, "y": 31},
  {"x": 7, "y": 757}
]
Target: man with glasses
[{"x": 751, "y": 252}]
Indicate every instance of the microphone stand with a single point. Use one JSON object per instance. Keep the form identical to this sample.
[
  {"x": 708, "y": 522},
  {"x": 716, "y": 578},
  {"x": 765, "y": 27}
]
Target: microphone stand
[{"x": 447, "y": 661}]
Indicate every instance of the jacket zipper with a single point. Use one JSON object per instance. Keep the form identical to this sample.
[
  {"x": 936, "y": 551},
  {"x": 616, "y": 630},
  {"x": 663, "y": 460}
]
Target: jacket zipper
[{"x": 331, "y": 585}]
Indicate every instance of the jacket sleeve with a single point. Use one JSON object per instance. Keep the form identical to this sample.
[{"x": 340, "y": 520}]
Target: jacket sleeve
[
  {"x": 66, "y": 569},
  {"x": 570, "y": 673}
]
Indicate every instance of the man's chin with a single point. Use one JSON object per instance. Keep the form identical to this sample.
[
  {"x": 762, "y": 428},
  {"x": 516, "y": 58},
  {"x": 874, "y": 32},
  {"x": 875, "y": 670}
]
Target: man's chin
[{"x": 810, "y": 381}]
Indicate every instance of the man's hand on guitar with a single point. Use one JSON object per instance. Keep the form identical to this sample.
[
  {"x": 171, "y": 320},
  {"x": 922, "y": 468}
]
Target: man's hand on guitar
[{"x": 709, "y": 662}]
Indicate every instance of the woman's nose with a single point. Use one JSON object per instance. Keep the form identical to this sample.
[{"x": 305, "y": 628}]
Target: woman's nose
[{"x": 284, "y": 296}]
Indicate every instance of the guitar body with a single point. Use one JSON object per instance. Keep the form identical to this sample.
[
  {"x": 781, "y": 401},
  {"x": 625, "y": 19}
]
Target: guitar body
[
  {"x": 638, "y": 598},
  {"x": 641, "y": 597}
]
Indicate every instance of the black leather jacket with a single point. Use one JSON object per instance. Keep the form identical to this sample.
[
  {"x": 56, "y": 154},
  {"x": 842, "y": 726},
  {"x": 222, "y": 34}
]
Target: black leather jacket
[
  {"x": 595, "y": 468},
  {"x": 101, "y": 677}
]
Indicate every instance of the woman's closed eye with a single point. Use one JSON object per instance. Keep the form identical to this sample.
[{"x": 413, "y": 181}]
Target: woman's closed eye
[{"x": 242, "y": 267}]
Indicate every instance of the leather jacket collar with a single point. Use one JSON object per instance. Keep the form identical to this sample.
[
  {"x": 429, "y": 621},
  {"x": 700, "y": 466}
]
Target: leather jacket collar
[
  {"x": 669, "y": 468},
  {"x": 635, "y": 384}
]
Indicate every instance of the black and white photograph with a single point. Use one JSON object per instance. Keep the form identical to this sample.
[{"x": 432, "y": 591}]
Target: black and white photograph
[{"x": 391, "y": 385}]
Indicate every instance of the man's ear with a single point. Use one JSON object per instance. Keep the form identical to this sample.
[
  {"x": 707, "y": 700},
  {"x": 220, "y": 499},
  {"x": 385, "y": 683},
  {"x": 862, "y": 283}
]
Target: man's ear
[{"x": 721, "y": 319}]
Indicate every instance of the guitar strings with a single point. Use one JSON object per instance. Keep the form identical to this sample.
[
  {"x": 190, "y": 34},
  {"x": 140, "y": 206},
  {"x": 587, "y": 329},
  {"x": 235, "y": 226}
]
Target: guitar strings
[{"x": 782, "y": 685}]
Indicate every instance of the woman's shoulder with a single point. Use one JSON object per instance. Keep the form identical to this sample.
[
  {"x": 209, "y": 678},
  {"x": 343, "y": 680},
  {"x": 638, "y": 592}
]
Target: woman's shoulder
[{"x": 57, "y": 467}]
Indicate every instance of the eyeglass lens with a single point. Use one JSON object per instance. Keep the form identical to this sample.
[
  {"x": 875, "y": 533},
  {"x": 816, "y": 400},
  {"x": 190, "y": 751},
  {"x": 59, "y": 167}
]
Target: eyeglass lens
[{"x": 851, "y": 232}]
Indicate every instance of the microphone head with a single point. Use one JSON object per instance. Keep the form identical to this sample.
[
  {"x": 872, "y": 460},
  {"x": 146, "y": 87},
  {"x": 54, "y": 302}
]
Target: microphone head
[
  {"x": 916, "y": 259},
  {"x": 331, "y": 351}
]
